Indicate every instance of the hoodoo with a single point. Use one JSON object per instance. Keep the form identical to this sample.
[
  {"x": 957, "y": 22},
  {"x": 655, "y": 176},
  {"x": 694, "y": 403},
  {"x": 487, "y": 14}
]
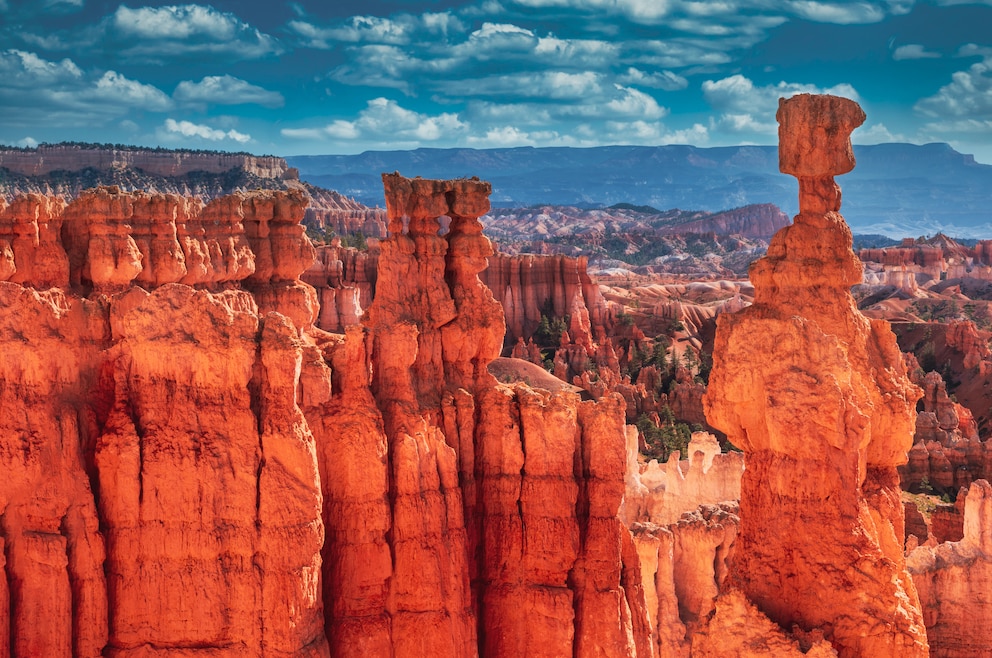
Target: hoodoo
[
  {"x": 194, "y": 469},
  {"x": 816, "y": 395}
]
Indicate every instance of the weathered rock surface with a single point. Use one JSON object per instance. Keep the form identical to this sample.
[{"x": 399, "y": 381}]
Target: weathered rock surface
[
  {"x": 53, "y": 593},
  {"x": 209, "y": 490},
  {"x": 817, "y": 397},
  {"x": 178, "y": 410},
  {"x": 925, "y": 262},
  {"x": 683, "y": 569},
  {"x": 638, "y": 235},
  {"x": 344, "y": 279},
  {"x": 68, "y": 170},
  {"x": 662, "y": 493},
  {"x": 738, "y": 629},
  {"x": 530, "y": 286},
  {"x": 72, "y": 157},
  {"x": 947, "y": 452},
  {"x": 953, "y": 580},
  {"x": 521, "y": 521},
  {"x": 262, "y": 487},
  {"x": 31, "y": 252},
  {"x": 331, "y": 211},
  {"x": 963, "y": 351}
]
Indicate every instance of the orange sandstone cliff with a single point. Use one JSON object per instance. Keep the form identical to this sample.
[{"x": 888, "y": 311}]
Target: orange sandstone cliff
[
  {"x": 73, "y": 157},
  {"x": 816, "y": 395},
  {"x": 953, "y": 580},
  {"x": 195, "y": 469}
]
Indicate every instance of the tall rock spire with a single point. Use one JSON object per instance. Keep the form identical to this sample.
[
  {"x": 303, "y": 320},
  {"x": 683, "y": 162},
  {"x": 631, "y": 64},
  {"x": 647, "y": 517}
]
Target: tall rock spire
[{"x": 816, "y": 395}]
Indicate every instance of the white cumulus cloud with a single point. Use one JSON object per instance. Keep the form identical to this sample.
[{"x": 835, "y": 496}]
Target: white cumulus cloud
[
  {"x": 913, "y": 51},
  {"x": 190, "y": 129},
  {"x": 19, "y": 68},
  {"x": 875, "y": 134},
  {"x": 844, "y": 13},
  {"x": 640, "y": 11},
  {"x": 696, "y": 135},
  {"x": 383, "y": 121},
  {"x": 740, "y": 101},
  {"x": 634, "y": 103},
  {"x": 502, "y": 137},
  {"x": 64, "y": 94},
  {"x": 366, "y": 29},
  {"x": 114, "y": 87},
  {"x": 969, "y": 94},
  {"x": 665, "y": 80},
  {"x": 557, "y": 85},
  {"x": 162, "y": 33},
  {"x": 226, "y": 90},
  {"x": 397, "y": 30}
]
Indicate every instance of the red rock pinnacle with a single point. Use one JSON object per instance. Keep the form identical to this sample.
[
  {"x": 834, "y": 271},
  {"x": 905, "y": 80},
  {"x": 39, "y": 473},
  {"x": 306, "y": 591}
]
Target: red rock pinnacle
[{"x": 816, "y": 395}]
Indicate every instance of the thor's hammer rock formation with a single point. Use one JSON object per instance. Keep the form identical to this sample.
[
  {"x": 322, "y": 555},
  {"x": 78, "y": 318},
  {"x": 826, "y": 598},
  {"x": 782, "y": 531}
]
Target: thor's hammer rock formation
[{"x": 816, "y": 395}]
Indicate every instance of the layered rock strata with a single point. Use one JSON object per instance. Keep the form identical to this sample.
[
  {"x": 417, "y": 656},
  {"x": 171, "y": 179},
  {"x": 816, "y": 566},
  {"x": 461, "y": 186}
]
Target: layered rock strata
[
  {"x": 331, "y": 211},
  {"x": 162, "y": 465},
  {"x": 209, "y": 491},
  {"x": 925, "y": 262},
  {"x": 817, "y": 397},
  {"x": 947, "y": 453},
  {"x": 500, "y": 453},
  {"x": 345, "y": 282},
  {"x": 53, "y": 590},
  {"x": 74, "y": 157},
  {"x": 195, "y": 469},
  {"x": 953, "y": 581},
  {"x": 662, "y": 493},
  {"x": 530, "y": 286},
  {"x": 527, "y": 287}
]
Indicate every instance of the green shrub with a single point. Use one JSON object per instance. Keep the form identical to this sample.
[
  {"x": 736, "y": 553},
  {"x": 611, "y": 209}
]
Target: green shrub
[{"x": 662, "y": 440}]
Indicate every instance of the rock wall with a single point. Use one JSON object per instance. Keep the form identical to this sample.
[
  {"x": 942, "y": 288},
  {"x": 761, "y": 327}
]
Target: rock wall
[
  {"x": 662, "y": 493},
  {"x": 526, "y": 286},
  {"x": 330, "y": 210},
  {"x": 953, "y": 581},
  {"x": 68, "y": 157},
  {"x": 345, "y": 282},
  {"x": 53, "y": 552},
  {"x": 963, "y": 351},
  {"x": 947, "y": 453},
  {"x": 501, "y": 452},
  {"x": 195, "y": 469},
  {"x": 760, "y": 220},
  {"x": 209, "y": 492},
  {"x": 529, "y": 286},
  {"x": 31, "y": 252},
  {"x": 160, "y": 463},
  {"x": 817, "y": 397},
  {"x": 920, "y": 262}
]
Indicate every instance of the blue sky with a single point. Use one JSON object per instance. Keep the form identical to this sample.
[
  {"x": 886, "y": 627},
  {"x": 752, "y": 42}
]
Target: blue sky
[{"x": 311, "y": 77}]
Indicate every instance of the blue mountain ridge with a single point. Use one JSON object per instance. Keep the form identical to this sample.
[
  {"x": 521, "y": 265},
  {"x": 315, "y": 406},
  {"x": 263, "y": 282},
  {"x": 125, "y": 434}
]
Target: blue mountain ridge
[{"x": 899, "y": 190}]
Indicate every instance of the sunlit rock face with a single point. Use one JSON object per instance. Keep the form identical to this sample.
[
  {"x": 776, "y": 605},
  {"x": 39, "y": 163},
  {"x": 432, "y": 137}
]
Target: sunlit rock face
[
  {"x": 192, "y": 468},
  {"x": 161, "y": 493},
  {"x": 953, "y": 579},
  {"x": 816, "y": 395},
  {"x": 498, "y": 503}
]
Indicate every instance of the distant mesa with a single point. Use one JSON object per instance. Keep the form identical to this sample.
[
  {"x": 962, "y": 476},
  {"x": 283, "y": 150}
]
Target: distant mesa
[
  {"x": 72, "y": 157},
  {"x": 67, "y": 169}
]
